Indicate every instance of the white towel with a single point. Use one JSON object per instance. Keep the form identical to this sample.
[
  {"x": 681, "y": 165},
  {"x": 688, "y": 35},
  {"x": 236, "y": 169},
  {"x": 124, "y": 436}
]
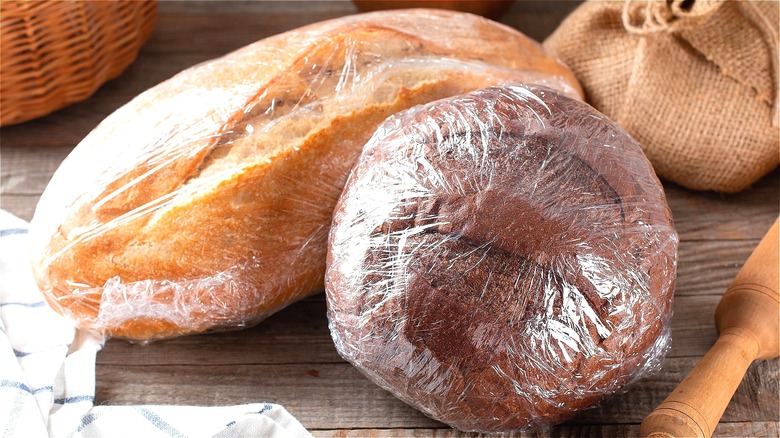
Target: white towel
[{"x": 47, "y": 373}]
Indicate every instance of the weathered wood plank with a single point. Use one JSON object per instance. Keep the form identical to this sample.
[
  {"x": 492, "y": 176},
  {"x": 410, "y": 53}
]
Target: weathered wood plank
[
  {"x": 20, "y": 205},
  {"x": 27, "y": 172},
  {"x": 756, "y": 429},
  {"x": 202, "y": 26},
  {"x": 537, "y": 19},
  {"x": 693, "y": 325},
  {"x": 707, "y": 267},
  {"x": 319, "y": 395},
  {"x": 299, "y": 334},
  {"x": 331, "y": 396},
  {"x": 711, "y": 216},
  {"x": 261, "y": 9}
]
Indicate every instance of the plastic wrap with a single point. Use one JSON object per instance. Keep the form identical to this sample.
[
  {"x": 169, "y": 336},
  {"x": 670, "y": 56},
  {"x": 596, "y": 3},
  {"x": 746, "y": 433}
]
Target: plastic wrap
[
  {"x": 205, "y": 202},
  {"x": 502, "y": 260}
]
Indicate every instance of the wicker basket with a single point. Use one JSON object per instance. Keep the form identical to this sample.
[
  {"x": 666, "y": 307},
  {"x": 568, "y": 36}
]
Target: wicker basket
[{"x": 55, "y": 53}]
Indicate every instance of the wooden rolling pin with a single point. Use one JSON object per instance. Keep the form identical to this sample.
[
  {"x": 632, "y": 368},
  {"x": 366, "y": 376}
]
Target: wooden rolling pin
[{"x": 747, "y": 322}]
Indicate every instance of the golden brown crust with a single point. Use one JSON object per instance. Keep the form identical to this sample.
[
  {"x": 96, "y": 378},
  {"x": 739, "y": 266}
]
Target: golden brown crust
[{"x": 214, "y": 208}]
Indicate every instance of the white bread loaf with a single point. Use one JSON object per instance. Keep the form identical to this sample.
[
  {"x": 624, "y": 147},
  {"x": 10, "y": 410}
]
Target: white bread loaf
[{"x": 205, "y": 202}]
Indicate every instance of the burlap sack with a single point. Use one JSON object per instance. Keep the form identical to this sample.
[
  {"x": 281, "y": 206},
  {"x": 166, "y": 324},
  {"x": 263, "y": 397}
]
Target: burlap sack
[{"x": 694, "y": 82}]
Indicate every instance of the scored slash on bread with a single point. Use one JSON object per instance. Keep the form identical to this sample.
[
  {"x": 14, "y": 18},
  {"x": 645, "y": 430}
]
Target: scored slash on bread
[{"x": 205, "y": 202}]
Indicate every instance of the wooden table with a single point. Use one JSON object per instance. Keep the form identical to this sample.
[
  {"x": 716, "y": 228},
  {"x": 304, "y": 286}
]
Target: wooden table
[{"x": 289, "y": 358}]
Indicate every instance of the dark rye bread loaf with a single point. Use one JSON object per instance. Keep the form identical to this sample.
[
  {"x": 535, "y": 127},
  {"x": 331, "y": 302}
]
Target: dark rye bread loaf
[{"x": 501, "y": 260}]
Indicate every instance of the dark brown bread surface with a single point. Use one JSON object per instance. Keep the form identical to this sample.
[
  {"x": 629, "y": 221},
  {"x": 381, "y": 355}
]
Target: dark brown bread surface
[
  {"x": 205, "y": 202},
  {"x": 502, "y": 260}
]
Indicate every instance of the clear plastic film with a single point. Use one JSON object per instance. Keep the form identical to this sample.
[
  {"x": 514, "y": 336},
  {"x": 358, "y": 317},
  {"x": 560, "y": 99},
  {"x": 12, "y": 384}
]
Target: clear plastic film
[
  {"x": 205, "y": 202},
  {"x": 502, "y": 260}
]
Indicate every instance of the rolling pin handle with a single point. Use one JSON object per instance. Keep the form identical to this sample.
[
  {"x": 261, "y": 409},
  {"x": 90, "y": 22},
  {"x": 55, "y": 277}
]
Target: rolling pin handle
[
  {"x": 748, "y": 323},
  {"x": 696, "y": 405}
]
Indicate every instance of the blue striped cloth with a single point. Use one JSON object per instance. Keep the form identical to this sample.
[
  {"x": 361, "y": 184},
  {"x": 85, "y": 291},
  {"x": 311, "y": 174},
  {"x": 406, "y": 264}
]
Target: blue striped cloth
[{"x": 47, "y": 373}]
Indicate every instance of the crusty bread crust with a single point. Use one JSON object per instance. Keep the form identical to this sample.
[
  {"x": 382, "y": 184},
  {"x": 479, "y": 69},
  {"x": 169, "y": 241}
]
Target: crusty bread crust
[{"x": 205, "y": 202}]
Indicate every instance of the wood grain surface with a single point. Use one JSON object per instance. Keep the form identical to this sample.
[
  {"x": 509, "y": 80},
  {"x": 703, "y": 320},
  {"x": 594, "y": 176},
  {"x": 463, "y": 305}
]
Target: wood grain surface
[{"x": 290, "y": 359}]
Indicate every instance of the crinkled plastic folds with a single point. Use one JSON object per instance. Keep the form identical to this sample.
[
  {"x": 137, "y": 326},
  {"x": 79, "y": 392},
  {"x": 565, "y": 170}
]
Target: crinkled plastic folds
[
  {"x": 205, "y": 202},
  {"x": 502, "y": 260}
]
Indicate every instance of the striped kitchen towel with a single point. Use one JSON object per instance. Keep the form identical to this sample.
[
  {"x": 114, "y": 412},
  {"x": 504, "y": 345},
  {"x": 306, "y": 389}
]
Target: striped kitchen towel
[{"x": 47, "y": 373}]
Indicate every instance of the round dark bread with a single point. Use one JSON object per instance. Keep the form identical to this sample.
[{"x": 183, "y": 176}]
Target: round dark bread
[{"x": 501, "y": 260}]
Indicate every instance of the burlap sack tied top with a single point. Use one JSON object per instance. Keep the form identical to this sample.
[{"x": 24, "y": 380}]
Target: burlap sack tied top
[{"x": 695, "y": 82}]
